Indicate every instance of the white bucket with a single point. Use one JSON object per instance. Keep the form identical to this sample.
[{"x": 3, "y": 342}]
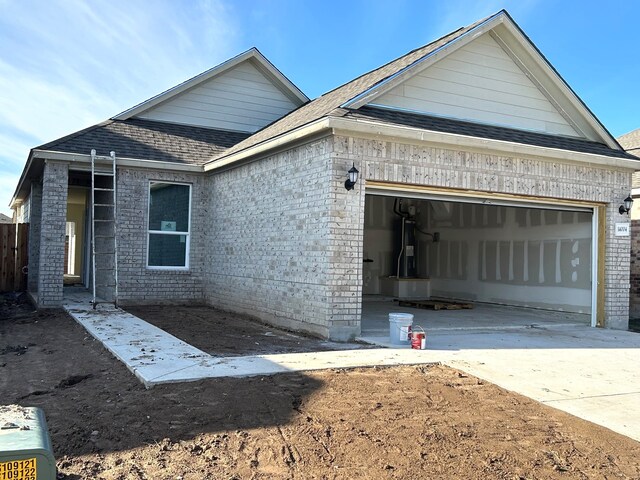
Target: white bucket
[{"x": 400, "y": 328}]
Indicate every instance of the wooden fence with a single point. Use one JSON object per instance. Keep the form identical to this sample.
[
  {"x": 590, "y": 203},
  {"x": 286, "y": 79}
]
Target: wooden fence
[{"x": 13, "y": 256}]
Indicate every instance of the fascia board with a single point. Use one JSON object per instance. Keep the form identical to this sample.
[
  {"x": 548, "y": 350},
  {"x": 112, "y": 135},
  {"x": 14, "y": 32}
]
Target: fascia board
[
  {"x": 287, "y": 86},
  {"x": 23, "y": 177},
  {"x": 271, "y": 144},
  {"x": 449, "y": 140},
  {"x": 82, "y": 159},
  {"x": 419, "y": 65},
  {"x": 543, "y": 64}
]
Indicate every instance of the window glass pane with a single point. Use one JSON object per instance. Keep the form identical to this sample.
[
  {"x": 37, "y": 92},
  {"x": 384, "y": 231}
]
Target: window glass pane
[
  {"x": 167, "y": 250},
  {"x": 169, "y": 207}
]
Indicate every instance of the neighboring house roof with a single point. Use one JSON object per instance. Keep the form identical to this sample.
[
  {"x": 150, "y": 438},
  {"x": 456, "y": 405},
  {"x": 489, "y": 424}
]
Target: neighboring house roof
[
  {"x": 148, "y": 140},
  {"x": 5, "y": 219},
  {"x": 631, "y": 142},
  {"x": 472, "y": 129}
]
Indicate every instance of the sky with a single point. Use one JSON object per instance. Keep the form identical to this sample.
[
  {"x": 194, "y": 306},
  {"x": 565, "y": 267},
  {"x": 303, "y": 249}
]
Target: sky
[{"x": 69, "y": 64}]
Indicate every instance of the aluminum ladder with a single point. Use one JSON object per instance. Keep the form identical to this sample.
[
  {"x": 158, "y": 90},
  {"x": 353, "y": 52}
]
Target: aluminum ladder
[{"x": 104, "y": 242}]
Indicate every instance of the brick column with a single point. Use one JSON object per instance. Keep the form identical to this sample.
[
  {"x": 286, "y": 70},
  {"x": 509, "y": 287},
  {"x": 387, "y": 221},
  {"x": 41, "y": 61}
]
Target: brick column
[
  {"x": 35, "y": 220},
  {"x": 617, "y": 268},
  {"x": 55, "y": 185},
  {"x": 345, "y": 252},
  {"x": 634, "y": 294}
]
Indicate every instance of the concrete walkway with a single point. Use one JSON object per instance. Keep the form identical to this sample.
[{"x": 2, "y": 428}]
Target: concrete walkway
[
  {"x": 155, "y": 356},
  {"x": 591, "y": 373}
]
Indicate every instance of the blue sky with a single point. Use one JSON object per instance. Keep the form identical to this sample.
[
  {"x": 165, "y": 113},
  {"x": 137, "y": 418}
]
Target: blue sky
[{"x": 68, "y": 64}]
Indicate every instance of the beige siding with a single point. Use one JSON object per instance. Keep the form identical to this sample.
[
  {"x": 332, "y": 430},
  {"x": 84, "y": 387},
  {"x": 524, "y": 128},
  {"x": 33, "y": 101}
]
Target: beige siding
[
  {"x": 241, "y": 99},
  {"x": 479, "y": 82}
]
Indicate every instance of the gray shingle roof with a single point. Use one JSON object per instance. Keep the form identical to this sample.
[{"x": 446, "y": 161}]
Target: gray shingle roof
[
  {"x": 446, "y": 125},
  {"x": 330, "y": 102},
  {"x": 149, "y": 140}
]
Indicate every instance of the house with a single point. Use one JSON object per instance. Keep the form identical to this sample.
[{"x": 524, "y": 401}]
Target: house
[
  {"x": 631, "y": 143},
  {"x": 5, "y": 219},
  {"x": 482, "y": 176}
]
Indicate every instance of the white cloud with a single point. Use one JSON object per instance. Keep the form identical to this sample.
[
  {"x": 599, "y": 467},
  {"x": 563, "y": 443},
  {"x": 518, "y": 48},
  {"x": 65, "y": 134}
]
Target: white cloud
[
  {"x": 68, "y": 64},
  {"x": 8, "y": 183}
]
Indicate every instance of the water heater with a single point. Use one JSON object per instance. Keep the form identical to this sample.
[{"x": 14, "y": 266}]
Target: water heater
[{"x": 407, "y": 249}]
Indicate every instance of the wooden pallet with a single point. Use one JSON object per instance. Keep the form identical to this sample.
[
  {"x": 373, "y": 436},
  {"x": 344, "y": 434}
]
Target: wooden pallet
[{"x": 435, "y": 304}]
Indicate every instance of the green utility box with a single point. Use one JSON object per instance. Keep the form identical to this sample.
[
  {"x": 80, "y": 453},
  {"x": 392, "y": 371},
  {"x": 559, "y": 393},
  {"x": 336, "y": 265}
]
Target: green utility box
[{"x": 25, "y": 446}]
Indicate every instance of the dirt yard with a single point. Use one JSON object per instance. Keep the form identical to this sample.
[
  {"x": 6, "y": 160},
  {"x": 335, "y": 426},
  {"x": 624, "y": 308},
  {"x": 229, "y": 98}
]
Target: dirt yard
[
  {"x": 223, "y": 334},
  {"x": 377, "y": 423}
]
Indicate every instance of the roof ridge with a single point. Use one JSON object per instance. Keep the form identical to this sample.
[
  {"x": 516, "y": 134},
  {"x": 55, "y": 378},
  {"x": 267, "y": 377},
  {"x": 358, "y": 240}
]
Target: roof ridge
[
  {"x": 392, "y": 61},
  {"x": 252, "y": 54}
]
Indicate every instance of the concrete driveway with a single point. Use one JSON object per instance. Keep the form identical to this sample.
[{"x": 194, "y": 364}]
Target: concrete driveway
[{"x": 591, "y": 373}]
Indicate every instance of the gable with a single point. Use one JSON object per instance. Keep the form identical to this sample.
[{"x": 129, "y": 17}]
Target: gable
[
  {"x": 479, "y": 82},
  {"x": 242, "y": 98}
]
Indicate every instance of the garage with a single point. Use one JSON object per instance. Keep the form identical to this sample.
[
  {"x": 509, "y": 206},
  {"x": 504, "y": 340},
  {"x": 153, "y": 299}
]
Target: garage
[{"x": 515, "y": 261}]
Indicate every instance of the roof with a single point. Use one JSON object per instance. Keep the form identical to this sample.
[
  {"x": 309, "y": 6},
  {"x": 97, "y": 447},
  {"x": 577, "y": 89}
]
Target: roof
[
  {"x": 471, "y": 129},
  {"x": 5, "y": 219},
  {"x": 330, "y": 102},
  {"x": 631, "y": 142},
  {"x": 196, "y": 146},
  {"x": 149, "y": 140},
  {"x": 359, "y": 91}
]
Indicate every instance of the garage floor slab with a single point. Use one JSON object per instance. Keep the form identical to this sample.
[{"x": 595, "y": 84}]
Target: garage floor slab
[
  {"x": 591, "y": 373},
  {"x": 376, "y": 310}
]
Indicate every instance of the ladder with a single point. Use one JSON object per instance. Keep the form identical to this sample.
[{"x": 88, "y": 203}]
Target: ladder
[{"x": 104, "y": 243}]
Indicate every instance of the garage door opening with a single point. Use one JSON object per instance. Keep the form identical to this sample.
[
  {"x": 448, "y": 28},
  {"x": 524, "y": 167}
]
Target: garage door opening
[{"x": 518, "y": 264}]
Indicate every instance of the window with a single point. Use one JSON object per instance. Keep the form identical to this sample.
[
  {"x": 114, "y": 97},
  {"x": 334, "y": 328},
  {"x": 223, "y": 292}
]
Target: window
[{"x": 169, "y": 225}]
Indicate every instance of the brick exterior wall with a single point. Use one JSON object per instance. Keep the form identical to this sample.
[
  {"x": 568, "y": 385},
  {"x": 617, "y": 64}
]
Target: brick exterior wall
[
  {"x": 421, "y": 165},
  {"x": 52, "y": 234},
  {"x": 35, "y": 219},
  {"x": 634, "y": 280},
  {"x": 269, "y": 252},
  {"x": 138, "y": 284},
  {"x": 280, "y": 238}
]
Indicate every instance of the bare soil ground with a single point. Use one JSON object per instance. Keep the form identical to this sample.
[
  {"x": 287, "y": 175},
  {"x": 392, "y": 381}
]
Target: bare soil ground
[
  {"x": 225, "y": 334},
  {"x": 377, "y": 423}
]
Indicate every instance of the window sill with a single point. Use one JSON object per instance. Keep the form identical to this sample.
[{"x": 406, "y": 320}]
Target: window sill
[{"x": 176, "y": 270}]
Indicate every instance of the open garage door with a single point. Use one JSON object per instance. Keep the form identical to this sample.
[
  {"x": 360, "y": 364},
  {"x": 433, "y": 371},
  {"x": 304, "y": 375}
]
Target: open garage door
[{"x": 524, "y": 253}]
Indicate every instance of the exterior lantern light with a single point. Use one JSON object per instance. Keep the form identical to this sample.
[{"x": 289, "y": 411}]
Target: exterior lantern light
[
  {"x": 626, "y": 206},
  {"x": 353, "y": 178}
]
